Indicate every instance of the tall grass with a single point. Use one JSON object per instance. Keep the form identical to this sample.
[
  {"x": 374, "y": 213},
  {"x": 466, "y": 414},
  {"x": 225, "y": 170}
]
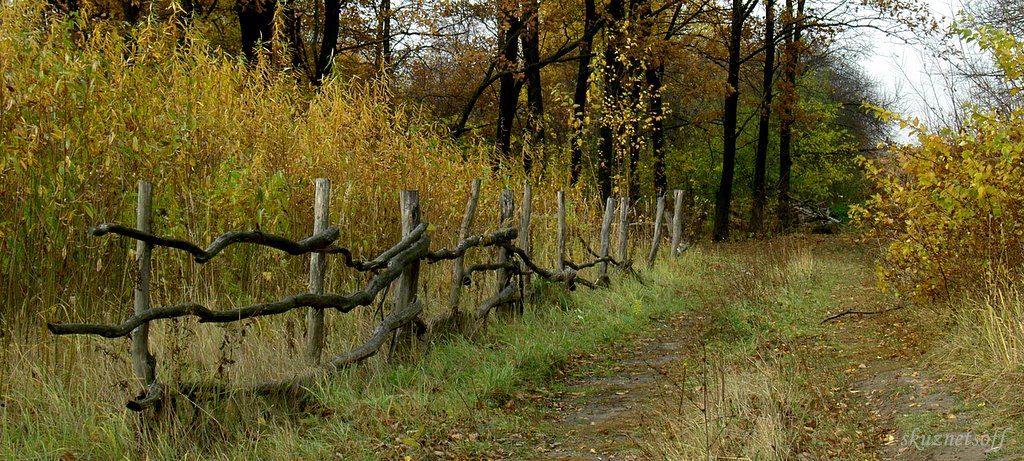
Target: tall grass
[
  {"x": 985, "y": 347},
  {"x": 751, "y": 393},
  {"x": 738, "y": 411},
  {"x": 89, "y": 108},
  {"x": 453, "y": 399}
]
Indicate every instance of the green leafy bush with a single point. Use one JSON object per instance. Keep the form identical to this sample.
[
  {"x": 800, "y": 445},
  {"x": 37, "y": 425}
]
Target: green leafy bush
[{"x": 950, "y": 209}]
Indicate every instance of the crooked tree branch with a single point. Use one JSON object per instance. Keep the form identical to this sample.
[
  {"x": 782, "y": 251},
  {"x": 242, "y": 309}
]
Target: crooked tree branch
[
  {"x": 856, "y": 312},
  {"x": 579, "y": 267},
  {"x": 343, "y": 303},
  {"x": 381, "y": 261},
  {"x": 154, "y": 393},
  {"x": 380, "y": 335},
  {"x": 495, "y": 238},
  {"x": 551, "y": 276},
  {"x": 509, "y": 294},
  {"x": 291, "y": 247},
  {"x": 593, "y": 253}
]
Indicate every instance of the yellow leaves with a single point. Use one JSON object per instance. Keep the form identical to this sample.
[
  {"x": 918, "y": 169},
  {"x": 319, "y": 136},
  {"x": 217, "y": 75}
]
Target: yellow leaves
[{"x": 952, "y": 209}]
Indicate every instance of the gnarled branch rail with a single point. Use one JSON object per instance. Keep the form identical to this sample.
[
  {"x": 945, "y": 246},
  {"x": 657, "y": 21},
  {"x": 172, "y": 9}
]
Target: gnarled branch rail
[
  {"x": 154, "y": 393},
  {"x": 392, "y": 322},
  {"x": 507, "y": 295},
  {"x": 568, "y": 276},
  {"x": 381, "y": 261},
  {"x": 201, "y": 256},
  {"x": 579, "y": 267},
  {"x": 398, "y": 263},
  {"x": 495, "y": 238},
  {"x": 412, "y": 252}
]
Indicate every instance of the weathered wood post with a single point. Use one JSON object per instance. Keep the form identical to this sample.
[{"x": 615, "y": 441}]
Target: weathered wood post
[
  {"x": 524, "y": 237},
  {"x": 606, "y": 226},
  {"x": 317, "y": 266},
  {"x": 677, "y": 224},
  {"x": 507, "y": 202},
  {"x": 405, "y": 286},
  {"x": 561, "y": 231},
  {"x": 657, "y": 231},
  {"x": 458, "y": 269},
  {"x": 623, "y": 230},
  {"x": 143, "y": 362}
]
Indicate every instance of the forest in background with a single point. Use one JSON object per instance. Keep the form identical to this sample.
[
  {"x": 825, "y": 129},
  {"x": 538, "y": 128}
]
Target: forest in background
[
  {"x": 755, "y": 102},
  {"x": 233, "y": 108},
  {"x": 749, "y": 107}
]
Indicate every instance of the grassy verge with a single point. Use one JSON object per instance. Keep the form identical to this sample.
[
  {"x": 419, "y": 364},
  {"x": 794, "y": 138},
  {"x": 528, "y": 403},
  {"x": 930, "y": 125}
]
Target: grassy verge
[
  {"x": 452, "y": 402},
  {"x": 768, "y": 382},
  {"x": 982, "y": 349},
  {"x": 773, "y": 383}
]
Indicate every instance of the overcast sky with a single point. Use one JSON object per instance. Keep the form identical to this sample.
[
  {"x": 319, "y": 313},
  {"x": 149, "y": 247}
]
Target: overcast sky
[{"x": 910, "y": 74}]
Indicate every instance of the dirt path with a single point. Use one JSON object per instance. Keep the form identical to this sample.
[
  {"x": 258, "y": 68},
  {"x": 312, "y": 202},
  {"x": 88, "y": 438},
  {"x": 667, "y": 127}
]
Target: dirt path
[
  {"x": 607, "y": 399},
  {"x": 608, "y": 396},
  {"x": 920, "y": 416},
  {"x": 915, "y": 414}
]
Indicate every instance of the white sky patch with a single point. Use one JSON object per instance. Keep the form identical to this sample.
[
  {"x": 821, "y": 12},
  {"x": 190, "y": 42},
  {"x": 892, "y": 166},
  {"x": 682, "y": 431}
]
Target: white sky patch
[{"x": 912, "y": 75}]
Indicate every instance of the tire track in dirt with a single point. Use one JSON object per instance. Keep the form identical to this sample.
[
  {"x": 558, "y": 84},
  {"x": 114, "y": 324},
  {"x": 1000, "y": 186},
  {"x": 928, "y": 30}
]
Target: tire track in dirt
[
  {"x": 890, "y": 386},
  {"x": 893, "y": 388},
  {"x": 609, "y": 396},
  {"x": 870, "y": 391}
]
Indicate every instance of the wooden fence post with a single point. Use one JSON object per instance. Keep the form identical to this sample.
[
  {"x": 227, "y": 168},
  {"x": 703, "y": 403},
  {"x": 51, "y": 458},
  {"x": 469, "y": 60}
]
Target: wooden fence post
[
  {"x": 524, "y": 236},
  {"x": 317, "y": 265},
  {"x": 405, "y": 286},
  {"x": 508, "y": 209},
  {"x": 677, "y": 224},
  {"x": 561, "y": 231},
  {"x": 143, "y": 362},
  {"x": 606, "y": 226},
  {"x": 623, "y": 230},
  {"x": 458, "y": 269},
  {"x": 657, "y": 231}
]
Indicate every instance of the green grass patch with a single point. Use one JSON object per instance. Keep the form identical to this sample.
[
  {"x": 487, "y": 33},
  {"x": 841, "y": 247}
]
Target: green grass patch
[{"x": 454, "y": 398}]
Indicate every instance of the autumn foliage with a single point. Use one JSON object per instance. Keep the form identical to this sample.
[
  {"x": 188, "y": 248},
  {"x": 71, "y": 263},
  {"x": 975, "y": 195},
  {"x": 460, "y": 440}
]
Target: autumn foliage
[
  {"x": 89, "y": 109},
  {"x": 951, "y": 207}
]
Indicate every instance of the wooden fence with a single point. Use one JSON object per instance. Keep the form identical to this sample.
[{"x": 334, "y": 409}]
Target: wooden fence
[{"x": 398, "y": 266}]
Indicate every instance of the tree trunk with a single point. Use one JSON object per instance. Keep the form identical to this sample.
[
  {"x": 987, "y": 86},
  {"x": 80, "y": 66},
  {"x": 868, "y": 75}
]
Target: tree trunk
[
  {"x": 292, "y": 30},
  {"x": 655, "y": 81},
  {"x": 579, "y": 98},
  {"x": 255, "y": 23},
  {"x": 534, "y": 90},
  {"x": 131, "y": 11},
  {"x": 613, "y": 94},
  {"x": 634, "y": 68},
  {"x": 64, "y": 6},
  {"x": 787, "y": 111},
  {"x": 508, "y": 89},
  {"x": 723, "y": 199},
  {"x": 329, "y": 40},
  {"x": 384, "y": 54},
  {"x": 641, "y": 19},
  {"x": 761, "y": 156}
]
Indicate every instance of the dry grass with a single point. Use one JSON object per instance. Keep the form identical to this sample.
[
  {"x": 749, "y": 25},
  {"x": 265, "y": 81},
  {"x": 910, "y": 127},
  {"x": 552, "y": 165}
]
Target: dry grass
[
  {"x": 986, "y": 346},
  {"x": 88, "y": 109},
  {"x": 748, "y": 394},
  {"x": 735, "y": 411}
]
